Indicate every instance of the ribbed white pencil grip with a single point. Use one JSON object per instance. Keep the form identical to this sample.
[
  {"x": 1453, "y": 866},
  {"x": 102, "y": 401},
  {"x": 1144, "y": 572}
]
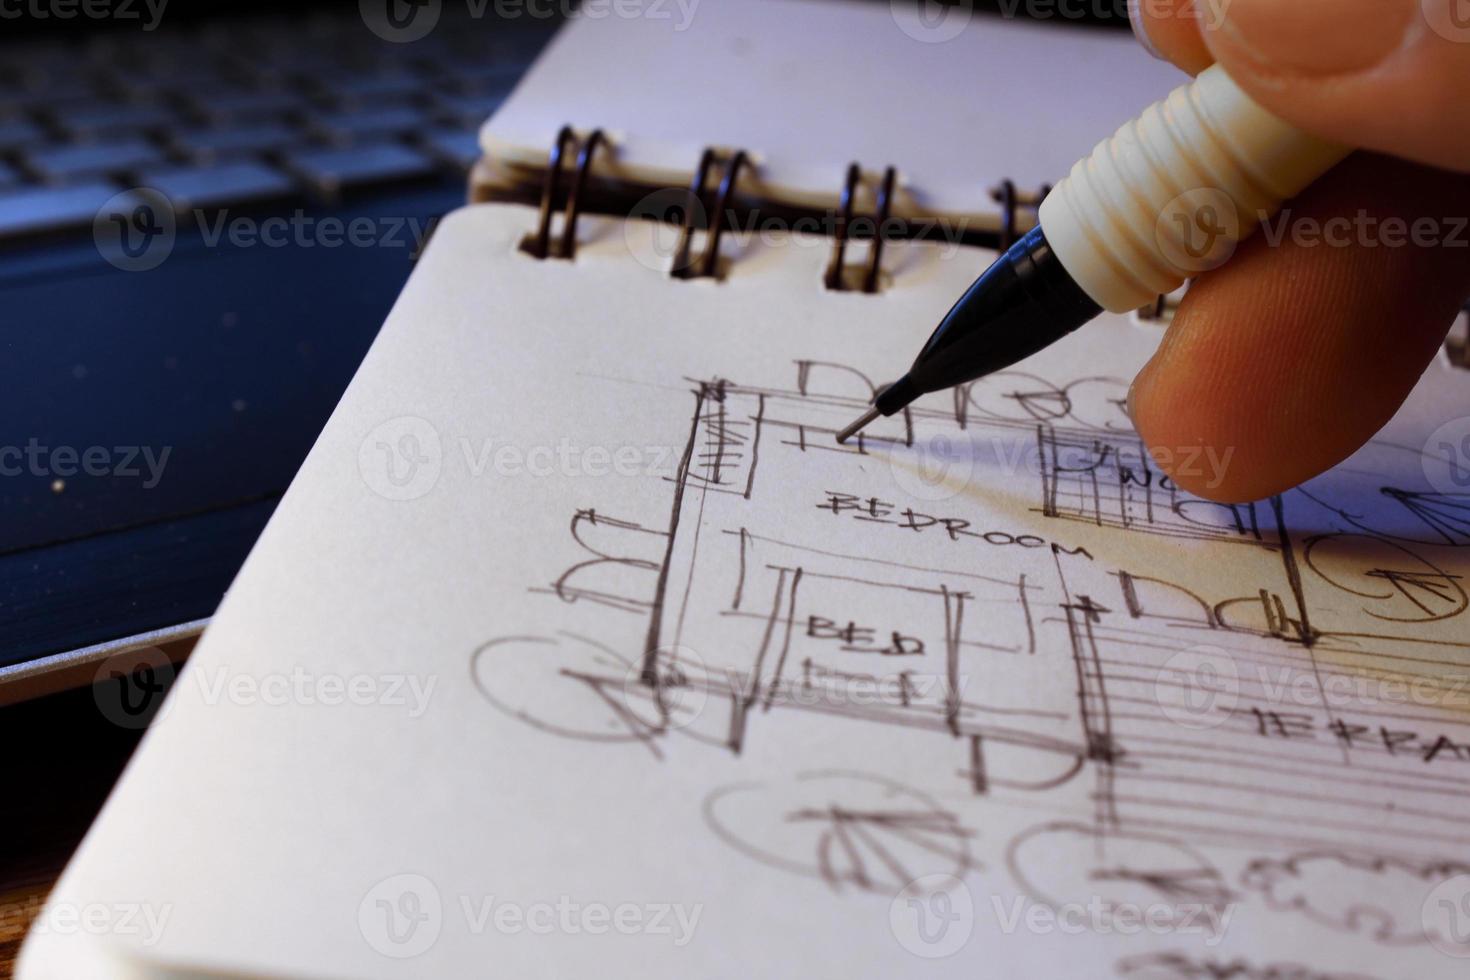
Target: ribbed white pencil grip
[{"x": 1169, "y": 195}]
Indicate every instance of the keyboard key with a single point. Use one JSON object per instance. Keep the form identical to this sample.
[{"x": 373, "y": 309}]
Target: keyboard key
[
  {"x": 391, "y": 121},
  {"x": 36, "y": 55},
  {"x": 138, "y": 88},
  {"x": 213, "y": 187},
  {"x": 16, "y": 133},
  {"x": 113, "y": 119},
  {"x": 143, "y": 50},
  {"x": 242, "y": 106},
  {"x": 456, "y": 147},
  {"x": 375, "y": 90},
  {"x": 330, "y": 171},
  {"x": 17, "y": 104},
  {"x": 48, "y": 209},
  {"x": 208, "y": 145},
  {"x": 57, "y": 86},
  {"x": 60, "y": 163}
]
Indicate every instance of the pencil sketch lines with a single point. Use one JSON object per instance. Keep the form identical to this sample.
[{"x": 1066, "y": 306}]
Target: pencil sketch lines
[{"x": 798, "y": 610}]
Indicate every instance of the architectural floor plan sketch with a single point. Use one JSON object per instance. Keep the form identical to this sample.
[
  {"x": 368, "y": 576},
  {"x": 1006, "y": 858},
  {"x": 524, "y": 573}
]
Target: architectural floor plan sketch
[{"x": 1169, "y": 700}]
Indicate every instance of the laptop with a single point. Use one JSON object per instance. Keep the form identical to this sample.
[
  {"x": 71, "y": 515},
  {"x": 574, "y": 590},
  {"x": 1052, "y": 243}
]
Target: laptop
[{"x": 206, "y": 212}]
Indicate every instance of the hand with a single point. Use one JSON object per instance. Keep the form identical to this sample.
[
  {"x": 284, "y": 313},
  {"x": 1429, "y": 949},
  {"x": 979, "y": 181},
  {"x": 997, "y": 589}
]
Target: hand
[{"x": 1295, "y": 352}]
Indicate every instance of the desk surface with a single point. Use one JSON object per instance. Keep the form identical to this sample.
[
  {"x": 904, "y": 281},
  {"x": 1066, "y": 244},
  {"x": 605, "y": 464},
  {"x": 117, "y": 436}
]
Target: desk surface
[{"x": 65, "y": 758}]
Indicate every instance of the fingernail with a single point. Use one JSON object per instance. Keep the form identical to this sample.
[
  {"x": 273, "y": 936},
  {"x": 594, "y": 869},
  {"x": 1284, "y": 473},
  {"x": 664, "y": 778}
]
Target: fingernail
[
  {"x": 1312, "y": 36},
  {"x": 1135, "y": 18}
]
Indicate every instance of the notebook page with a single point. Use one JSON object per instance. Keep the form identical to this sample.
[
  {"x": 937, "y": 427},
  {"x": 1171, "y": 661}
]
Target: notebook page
[
  {"x": 959, "y": 98},
  {"x": 579, "y": 648}
]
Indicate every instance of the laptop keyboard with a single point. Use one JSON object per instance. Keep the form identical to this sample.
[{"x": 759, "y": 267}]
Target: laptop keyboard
[{"x": 243, "y": 113}]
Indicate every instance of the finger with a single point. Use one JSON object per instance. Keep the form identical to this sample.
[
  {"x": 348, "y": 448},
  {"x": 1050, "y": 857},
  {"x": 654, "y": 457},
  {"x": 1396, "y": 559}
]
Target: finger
[
  {"x": 1387, "y": 75},
  {"x": 1283, "y": 362},
  {"x": 1170, "y": 30}
]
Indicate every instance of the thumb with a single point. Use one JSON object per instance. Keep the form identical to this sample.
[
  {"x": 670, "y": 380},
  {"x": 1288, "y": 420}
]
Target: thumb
[{"x": 1386, "y": 75}]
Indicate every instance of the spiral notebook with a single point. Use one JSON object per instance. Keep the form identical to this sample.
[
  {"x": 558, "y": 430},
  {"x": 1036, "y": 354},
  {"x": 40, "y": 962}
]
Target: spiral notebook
[
  {"x": 961, "y": 100},
  {"x": 579, "y": 647}
]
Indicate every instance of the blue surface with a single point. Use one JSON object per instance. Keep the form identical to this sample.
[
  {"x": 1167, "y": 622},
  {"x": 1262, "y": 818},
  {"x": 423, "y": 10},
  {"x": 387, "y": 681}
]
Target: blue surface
[{"x": 228, "y": 359}]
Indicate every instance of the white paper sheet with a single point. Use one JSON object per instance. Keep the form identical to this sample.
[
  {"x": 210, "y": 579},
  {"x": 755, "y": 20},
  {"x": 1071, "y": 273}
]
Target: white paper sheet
[{"x": 578, "y": 648}]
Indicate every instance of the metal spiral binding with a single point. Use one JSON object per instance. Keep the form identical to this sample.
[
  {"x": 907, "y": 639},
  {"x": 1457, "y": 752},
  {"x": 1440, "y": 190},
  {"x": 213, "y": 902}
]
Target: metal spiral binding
[
  {"x": 834, "y": 278},
  {"x": 708, "y": 264},
  {"x": 538, "y": 244}
]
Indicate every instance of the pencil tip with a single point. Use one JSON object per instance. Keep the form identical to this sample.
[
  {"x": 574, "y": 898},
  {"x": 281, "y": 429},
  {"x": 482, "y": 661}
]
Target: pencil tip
[{"x": 853, "y": 429}]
